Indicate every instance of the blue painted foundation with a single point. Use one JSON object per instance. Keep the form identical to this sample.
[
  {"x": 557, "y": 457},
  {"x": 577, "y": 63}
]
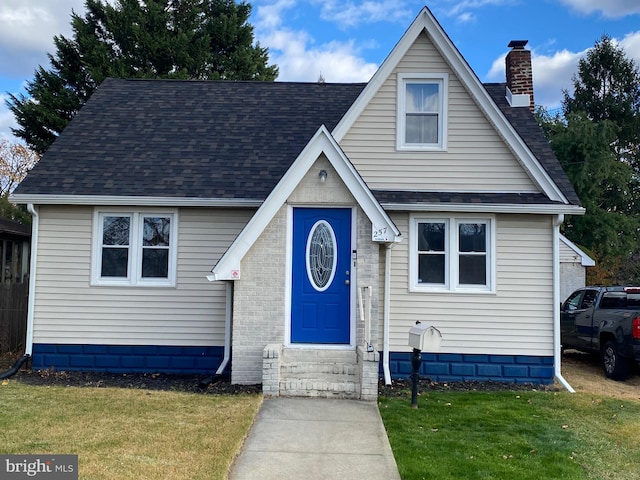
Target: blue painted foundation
[
  {"x": 448, "y": 367},
  {"x": 128, "y": 358}
]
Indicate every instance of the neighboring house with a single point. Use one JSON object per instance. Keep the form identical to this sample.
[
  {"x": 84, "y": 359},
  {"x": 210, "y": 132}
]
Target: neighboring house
[
  {"x": 573, "y": 267},
  {"x": 14, "y": 277},
  {"x": 293, "y": 233},
  {"x": 14, "y": 251}
]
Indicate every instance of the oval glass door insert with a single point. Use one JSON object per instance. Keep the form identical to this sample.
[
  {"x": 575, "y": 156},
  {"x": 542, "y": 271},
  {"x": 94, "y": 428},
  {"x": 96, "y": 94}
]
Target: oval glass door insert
[{"x": 321, "y": 255}]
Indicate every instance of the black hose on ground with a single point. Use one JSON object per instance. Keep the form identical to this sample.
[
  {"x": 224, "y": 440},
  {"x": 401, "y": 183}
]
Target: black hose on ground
[{"x": 16, "y": 366}]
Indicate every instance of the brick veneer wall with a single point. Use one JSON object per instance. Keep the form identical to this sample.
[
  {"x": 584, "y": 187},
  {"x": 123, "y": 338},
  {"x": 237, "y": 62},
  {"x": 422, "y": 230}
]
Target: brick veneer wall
[{"x": 259, "y": 296}]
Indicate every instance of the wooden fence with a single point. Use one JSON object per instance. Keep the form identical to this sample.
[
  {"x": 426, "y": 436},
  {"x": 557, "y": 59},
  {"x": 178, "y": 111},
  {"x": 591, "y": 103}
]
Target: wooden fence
[{"x": 13, "y": 316}]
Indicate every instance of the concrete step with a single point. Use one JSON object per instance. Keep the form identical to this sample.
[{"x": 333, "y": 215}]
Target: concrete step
[
  {"x": 317, "y": 388},
  {"x": 319, "y": 373}
]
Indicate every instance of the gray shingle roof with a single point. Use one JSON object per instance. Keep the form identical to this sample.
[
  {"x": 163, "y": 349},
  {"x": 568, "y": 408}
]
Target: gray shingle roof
[
  {"x": 527, "y": 127},
  {"x": 404, "y": 197},
  {"x": 221, "y": 140},
  {"x": 170, "y": 138}
]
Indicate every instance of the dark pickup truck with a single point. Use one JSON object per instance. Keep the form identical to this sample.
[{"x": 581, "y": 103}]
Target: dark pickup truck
[{"x": 604, "y": 320}]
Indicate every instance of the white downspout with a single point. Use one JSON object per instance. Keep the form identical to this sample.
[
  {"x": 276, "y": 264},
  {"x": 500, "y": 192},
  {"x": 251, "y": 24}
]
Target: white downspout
[
  {"x": 227, "y": 328},
  {"x": 386, "y": 314},
  {"x": 557, "y": 352},
  {"x": 35, "y": 223}
]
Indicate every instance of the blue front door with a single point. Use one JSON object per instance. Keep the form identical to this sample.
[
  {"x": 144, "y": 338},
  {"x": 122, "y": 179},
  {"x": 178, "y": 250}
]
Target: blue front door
[{"x": 321, "y": 276}]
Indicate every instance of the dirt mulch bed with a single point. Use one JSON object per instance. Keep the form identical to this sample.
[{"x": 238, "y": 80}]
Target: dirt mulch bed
[
  {"x": 582, "y": 371},
  {"x": 180, "y": 383},
  {"x": 402, "y": 388}
]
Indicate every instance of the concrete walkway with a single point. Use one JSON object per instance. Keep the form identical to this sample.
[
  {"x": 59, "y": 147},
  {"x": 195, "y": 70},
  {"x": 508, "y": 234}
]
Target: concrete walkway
[{"x": 313, "y": 439}]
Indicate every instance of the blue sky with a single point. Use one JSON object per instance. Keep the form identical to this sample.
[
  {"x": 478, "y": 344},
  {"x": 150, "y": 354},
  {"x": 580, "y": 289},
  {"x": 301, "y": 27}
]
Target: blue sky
[{"x": 345, "y": 41}]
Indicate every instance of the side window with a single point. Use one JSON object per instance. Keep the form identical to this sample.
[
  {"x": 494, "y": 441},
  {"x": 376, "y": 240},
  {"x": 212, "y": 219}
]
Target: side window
[
  {"x": 134, "y": 248},
  {"x": 116, "y": 244},
  {"x": 452, "y": 254},
  {"x": 589, "y": 299},
  {"x": 573, "y": 302}
]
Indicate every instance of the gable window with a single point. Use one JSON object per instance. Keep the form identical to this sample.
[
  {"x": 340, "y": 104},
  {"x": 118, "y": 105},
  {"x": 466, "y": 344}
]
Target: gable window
[
  {"x": 422, "y": 111},
  {"x": 134, "y": 248},
  {"x": 452, "y": 254}
]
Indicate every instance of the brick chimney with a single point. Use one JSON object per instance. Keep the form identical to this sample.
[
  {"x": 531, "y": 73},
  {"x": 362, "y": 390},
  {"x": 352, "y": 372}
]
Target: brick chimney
[{"x": 519, "y": 75}]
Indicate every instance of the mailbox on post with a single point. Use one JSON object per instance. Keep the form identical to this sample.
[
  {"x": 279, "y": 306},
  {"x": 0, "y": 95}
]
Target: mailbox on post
[
  {"x": 425, "y": 338},
  {"x": 422, "y": 337}
]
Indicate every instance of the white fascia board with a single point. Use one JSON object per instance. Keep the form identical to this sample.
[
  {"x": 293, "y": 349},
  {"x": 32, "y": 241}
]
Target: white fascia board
[
  {"x": 228, "y": 267},
  {"x": 427, "y": 23},
  {"x": 586, "y": 260},
  {"x": 101, "y": 200},
  {"x": 534, "y": 209}
]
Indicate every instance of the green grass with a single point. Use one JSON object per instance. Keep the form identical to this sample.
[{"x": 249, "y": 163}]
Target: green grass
[
  {"x": 514, "y": 435},
  {"x": 127, "y": 433}
]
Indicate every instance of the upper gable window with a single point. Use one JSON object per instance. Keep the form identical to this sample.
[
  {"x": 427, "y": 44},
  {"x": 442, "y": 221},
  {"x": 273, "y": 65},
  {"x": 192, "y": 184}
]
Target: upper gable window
[{"x": 422, "y": 111}]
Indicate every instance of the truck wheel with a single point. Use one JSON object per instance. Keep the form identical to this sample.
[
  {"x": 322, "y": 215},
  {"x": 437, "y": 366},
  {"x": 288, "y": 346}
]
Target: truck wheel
[{"x": 615, "y": 366}]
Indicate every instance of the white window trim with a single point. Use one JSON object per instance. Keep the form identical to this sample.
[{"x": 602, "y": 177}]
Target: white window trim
[
  {"x": 134, "y": 268},
  {"x": 443, "y": 80},
  {"x": 451, "y": 284}
]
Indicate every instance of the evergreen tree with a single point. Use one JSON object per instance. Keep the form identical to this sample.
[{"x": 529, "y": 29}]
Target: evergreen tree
[
  {"x": 607, "y": 87},
  {"x": 183, "y": 39},
  {"x": 607, "y": 188},
  {"x": 596, "y": 141}
]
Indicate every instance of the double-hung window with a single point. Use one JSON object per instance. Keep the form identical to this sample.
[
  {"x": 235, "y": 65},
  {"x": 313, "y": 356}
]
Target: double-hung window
[
  {"x": 452, "y": 254},
  {"x": 422, "y": 111},
  {"x": 134, "y": 248}
]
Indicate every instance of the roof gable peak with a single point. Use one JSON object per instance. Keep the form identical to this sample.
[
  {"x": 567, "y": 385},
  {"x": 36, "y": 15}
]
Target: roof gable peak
[
  {"x": 383, "y": 228},
  {"x": 427, "y": 23}
]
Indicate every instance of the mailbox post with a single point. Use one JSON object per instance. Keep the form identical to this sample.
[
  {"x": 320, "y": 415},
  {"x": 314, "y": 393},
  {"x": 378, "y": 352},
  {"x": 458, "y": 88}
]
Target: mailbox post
[{"x": 421, "y": 337}]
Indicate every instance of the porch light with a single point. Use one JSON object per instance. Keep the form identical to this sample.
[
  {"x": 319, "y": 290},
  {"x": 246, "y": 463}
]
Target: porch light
[{"x": 322, "y": 175}]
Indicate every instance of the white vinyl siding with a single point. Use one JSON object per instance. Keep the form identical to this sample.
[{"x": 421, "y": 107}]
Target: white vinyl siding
[
  {"x": 69, "y": 310},
  {"x": 476, "y": 159},
  {"x": 516, "y": 320}
]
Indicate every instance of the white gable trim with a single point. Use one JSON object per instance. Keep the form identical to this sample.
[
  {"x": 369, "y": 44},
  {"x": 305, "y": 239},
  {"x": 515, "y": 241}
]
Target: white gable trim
[
  {"x": 425, "y": 22},
  {"x": 383, "y": 229},
  {"x": 587, "y": 261}
]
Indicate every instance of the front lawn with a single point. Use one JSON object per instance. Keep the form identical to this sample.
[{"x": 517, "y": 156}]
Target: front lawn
[
  {"x": 513, "y": 435},
  {"x": 127, "y": 433}
]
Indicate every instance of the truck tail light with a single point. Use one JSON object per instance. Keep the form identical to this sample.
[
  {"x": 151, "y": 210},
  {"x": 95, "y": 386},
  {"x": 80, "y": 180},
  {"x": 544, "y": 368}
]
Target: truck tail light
[{"x": 636, "y": 328}]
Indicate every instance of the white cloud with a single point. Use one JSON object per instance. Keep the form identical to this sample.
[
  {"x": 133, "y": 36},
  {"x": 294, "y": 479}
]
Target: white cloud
[
  {"x": 351, "y": 14},
  {"x": 608, "y": 8},
  {"x": 297, "y": 61},
  {"x": 270, "y": 16},
  {"x": 27, "y": 28},
  {"x": 466, "y": 17},
  {"x": 631, "y": 46},
  {"x": 462, "y": 7},
  {"x": 299, "y": 58},
  {"x": 551, "y": 75}
]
